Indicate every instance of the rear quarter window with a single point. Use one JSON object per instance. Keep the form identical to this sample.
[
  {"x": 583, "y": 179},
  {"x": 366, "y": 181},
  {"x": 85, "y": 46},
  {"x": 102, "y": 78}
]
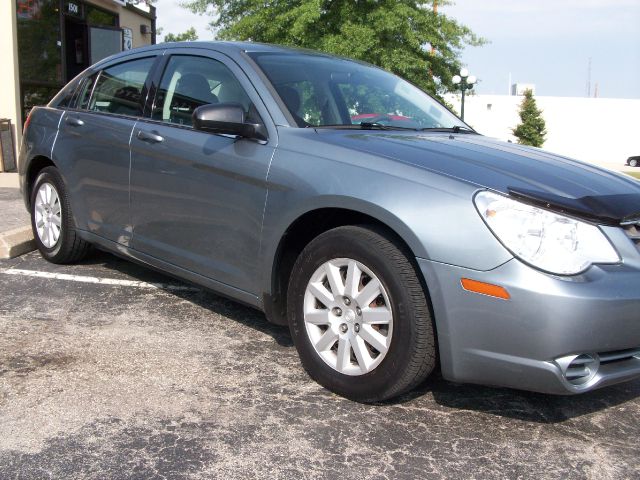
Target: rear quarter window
[{"x": 65, "y": 97}]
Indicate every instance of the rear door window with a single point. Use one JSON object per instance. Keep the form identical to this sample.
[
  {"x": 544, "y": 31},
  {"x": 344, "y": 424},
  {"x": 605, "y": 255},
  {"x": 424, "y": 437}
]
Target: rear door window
[{"x": 119, "y": 89}]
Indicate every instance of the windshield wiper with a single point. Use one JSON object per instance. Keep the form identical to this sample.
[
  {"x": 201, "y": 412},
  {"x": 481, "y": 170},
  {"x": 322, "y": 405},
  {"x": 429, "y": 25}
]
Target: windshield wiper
[
  {"x": 365, "y": 126},
  {"x": 381, "y": 126},
  {"x": 454, "y": 129}
]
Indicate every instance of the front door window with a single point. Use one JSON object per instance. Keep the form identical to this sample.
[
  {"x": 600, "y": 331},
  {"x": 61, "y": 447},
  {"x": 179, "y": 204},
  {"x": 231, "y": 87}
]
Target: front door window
[{"x": 189, "y": 82}]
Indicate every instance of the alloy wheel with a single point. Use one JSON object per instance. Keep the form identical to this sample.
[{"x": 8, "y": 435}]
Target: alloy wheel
[
  {"x": 48, "y": 215},
  {"x": 348, "y": 316}
]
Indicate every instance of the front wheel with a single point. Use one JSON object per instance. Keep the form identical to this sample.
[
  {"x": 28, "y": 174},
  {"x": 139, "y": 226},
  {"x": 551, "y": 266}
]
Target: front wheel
[
  {"x": 633, "y": 162},
  {"x": 359, "y": 316}
]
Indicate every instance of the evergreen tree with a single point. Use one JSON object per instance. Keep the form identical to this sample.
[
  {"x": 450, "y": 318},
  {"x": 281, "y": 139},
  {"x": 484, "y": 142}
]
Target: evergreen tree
[
  {"x": 531, "y": 130},
  {"x": 406, "y": 37}
]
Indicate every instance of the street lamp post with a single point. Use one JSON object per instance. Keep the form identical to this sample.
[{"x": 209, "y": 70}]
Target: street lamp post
[{"x": 466, "y": 82}]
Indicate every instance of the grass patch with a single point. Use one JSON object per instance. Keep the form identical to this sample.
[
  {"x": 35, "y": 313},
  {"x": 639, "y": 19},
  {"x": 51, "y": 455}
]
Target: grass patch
[{"x": 633, "y": 174}]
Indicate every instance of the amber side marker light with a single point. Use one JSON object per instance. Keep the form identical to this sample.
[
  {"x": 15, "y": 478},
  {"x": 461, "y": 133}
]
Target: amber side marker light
[{"x": 485, "y": 288}]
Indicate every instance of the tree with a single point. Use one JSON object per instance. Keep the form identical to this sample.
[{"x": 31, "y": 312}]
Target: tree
[
  {"x": 531, "y": 130},
  {"x": 406, "y": 37},
  {"x": 188, "y": 36}
]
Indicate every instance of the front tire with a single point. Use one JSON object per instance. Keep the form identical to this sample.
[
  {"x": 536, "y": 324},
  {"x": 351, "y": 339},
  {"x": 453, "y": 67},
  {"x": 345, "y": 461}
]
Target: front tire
[
  {"x": 359, "y": 316},
  {"x": 52, "y": 222},
  {"x": 633, "y": 163}
]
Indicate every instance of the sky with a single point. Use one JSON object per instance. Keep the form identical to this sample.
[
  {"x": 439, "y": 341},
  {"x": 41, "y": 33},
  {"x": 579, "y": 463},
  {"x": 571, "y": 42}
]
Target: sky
[{"x": 544, "y": 42}]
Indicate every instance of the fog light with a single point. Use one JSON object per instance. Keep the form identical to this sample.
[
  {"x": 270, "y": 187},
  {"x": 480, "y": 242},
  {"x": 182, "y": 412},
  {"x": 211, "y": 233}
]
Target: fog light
[{"x": 579, "y": 370}]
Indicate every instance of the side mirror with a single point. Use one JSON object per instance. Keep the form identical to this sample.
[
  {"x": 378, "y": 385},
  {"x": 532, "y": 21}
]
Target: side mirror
[{"x": 226, "y": 118}]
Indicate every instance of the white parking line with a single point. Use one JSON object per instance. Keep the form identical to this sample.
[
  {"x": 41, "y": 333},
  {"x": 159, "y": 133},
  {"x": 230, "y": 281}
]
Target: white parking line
[{"x": 98, "y": 280}]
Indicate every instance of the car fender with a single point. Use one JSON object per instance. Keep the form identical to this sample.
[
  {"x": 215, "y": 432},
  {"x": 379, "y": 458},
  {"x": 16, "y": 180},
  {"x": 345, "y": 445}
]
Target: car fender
[{"x": 416, "y": 204}]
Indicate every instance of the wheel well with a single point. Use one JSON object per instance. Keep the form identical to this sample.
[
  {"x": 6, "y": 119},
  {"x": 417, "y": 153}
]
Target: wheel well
[
  {"x": 297, "y": 237},
  {"x": 36, "y": 165}
]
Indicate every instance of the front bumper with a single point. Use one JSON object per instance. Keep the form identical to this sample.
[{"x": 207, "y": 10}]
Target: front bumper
[{"x": 518, "y": 342}]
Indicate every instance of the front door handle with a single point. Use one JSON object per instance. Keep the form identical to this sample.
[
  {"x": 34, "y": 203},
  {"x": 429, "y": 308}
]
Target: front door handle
[
  {"x": 74, "y": 122},
  {"x": 149, "y": 137}
]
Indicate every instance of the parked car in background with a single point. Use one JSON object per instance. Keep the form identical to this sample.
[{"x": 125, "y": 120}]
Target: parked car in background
[
  {"x": 384, "y": 119},
  {"x": 349, "y": 205},
  {"x": 633, "y": 161}
]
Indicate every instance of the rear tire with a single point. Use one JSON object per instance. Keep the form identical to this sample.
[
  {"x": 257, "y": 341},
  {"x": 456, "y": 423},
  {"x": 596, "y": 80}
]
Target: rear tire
[
  {"x": 52, "y": 221},
  {"x": 393, "y": 352},
  {"x": 633, "y": 163}
]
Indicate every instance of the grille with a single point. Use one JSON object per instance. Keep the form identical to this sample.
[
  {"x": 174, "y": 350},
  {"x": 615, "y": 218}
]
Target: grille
[
  {"x": 633, "y": 232},
  {"x": 620, "y": 355}
]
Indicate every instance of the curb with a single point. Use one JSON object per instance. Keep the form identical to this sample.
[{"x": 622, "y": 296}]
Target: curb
[
  {"x": 16, "y": 242},
  {"x": 9, "y": 180}
]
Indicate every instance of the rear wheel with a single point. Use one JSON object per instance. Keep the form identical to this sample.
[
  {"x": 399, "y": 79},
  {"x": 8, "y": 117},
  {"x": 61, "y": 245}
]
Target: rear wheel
[
  {"x": 52, "y": 222},
  {"x": 633, "y": 162},
  {"x": 359, "y": 316}
]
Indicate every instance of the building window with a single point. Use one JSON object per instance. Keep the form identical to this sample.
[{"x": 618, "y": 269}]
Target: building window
[
  {"x": 58, "y": 39},
  {"x": 39, "y": 51},
  {"x": 39, "y": 54},
  {"x": 99, "y": 17}
]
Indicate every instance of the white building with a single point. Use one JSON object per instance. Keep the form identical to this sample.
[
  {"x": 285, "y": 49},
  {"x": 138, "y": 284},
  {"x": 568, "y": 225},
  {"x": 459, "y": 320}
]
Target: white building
[{"x": 603, "y": 131}]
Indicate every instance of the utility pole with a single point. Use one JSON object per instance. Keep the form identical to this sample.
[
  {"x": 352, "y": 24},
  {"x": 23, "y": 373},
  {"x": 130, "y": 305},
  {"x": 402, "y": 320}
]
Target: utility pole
[
  {"x": 589, "y": 79},
  {"x": 433, "y": 49}
]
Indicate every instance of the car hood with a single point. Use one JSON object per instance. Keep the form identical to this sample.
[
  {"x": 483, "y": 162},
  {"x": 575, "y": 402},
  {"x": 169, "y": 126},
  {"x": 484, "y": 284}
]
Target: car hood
[{"x": 532, "y": 175}]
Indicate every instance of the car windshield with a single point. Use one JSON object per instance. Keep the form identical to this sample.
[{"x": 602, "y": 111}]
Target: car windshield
[{"x": 324, "y": 91}]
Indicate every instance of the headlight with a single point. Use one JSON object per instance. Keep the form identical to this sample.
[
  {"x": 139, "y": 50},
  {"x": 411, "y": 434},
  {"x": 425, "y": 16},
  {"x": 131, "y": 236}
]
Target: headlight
[{"x": 546, "y": 240}]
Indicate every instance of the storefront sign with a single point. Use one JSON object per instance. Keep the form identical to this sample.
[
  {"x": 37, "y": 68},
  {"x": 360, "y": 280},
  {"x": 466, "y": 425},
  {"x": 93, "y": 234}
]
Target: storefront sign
[{"x": 127, "y": 39}]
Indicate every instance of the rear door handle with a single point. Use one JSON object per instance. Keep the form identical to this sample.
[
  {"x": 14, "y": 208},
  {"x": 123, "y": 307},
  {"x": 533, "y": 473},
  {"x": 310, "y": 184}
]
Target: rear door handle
[
  {"x": 74, "y": 122},
  {"x": 149, "y": 137}
]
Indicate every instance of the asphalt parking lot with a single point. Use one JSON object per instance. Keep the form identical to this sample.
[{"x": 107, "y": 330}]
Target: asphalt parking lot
[{"x": 108, "y": 370}]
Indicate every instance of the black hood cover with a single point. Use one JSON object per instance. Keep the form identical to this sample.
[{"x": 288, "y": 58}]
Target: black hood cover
[
  {"x": 607, "y": 209},
  {"x": 529, "y": 174}
]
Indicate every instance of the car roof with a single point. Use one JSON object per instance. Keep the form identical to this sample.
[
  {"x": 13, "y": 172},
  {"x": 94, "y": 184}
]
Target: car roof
[{"x": 226, "y": 47}]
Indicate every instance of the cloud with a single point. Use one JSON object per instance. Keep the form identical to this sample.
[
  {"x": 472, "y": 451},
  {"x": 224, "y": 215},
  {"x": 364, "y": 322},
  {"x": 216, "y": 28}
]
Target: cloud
[
  {"x": 549, "y": 42},
  {"x": 558, "y": 18},
  {"x": 174, "y": 18},
  {"x": 543, "y": 6}
]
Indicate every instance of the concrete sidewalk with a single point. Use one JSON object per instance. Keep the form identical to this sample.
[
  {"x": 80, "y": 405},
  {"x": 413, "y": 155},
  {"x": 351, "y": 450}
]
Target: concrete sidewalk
[{"x": 16, "y": 237}]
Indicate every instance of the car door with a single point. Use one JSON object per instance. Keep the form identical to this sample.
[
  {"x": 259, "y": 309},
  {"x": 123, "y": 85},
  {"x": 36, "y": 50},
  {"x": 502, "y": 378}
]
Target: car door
[
  {"x": 197, "y": 198},
  {"x": 93, "y": 146}
]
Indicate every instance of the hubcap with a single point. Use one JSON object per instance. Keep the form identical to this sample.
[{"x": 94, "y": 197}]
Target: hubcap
[
  {"x": 48, "y": 215},
  {"x": 348, "y": 316}
]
